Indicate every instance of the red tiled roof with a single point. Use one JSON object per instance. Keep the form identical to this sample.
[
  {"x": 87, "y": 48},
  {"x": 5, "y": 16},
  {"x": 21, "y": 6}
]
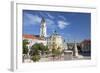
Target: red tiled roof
[
  {"x": 86, "y": 41},
  {"x": 29, "y": 36}
]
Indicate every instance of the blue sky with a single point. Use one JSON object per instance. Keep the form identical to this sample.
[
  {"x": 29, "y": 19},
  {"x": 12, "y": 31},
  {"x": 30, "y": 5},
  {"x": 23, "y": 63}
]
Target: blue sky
[{"x": 70, "y": 25}]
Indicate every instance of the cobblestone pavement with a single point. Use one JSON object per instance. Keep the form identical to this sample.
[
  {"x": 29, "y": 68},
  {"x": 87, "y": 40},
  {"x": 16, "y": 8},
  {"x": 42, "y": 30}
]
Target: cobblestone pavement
[
  {"x": 47, "y": 59},
  {"x": 62, "y": 59}
]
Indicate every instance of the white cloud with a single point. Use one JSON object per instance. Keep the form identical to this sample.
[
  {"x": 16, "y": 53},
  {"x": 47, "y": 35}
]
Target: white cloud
[
  {"x": 62, "y": 17},
  {"x": 62, "y": 24},
  {"x": 50, "y": 23},
  {"x": 36, "y": 19},
  {"x": 33, "y": 19},
  {"x": 50, "y": 16}
]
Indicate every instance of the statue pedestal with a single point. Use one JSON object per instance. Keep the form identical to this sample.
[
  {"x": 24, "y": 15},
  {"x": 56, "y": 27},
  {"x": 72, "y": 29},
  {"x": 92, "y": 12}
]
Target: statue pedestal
[{"x": 68, "y": 55}]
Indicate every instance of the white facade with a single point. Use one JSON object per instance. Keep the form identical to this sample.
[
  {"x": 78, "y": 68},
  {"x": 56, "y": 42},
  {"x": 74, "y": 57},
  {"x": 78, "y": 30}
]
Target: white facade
[
  {"x": 33, "y": 41},
  {"x": 55, "y": 41}
]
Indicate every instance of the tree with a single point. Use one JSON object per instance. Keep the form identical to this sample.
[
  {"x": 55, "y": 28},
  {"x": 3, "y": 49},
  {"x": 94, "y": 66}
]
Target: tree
[
  {"x": 42, "y": 48},
  {"x": 47, "y": 50},
  {"x": 37, "y": 49},
  {"x": 34, "y": 49},
  {"x": 53, "y": 53},
  {"x": 35, "y": 52},
  {"x": 56, "y": 53},
  {"x": 35, "y": 58},
  {"x": 25, "y": 47},
  {"x": 59, "y": 52}
]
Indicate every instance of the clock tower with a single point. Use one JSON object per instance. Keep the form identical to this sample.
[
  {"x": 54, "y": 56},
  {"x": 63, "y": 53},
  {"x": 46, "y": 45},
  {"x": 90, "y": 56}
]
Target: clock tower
[{"x": 43, "y": 28}]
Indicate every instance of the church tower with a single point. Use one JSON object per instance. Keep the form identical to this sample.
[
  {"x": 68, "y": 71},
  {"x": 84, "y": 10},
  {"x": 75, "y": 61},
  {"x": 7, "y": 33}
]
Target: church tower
[{"x": 43, "y": 28}]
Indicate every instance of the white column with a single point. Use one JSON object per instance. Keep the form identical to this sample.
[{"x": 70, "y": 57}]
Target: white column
[{"x": 76, "y": 50}]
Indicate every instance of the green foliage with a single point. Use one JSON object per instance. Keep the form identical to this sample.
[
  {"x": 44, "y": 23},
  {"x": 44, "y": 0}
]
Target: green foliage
[
  {"x": 25, "y": 48},
  {"x": 36, "y": 49},
  {"x": 35, "y": 58},
  {"x": 47, "y": 49},
  {"x": 39, "y": 47},
  {"x": 56, "y": 52},
  {"x": 53, "y": 52}
]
